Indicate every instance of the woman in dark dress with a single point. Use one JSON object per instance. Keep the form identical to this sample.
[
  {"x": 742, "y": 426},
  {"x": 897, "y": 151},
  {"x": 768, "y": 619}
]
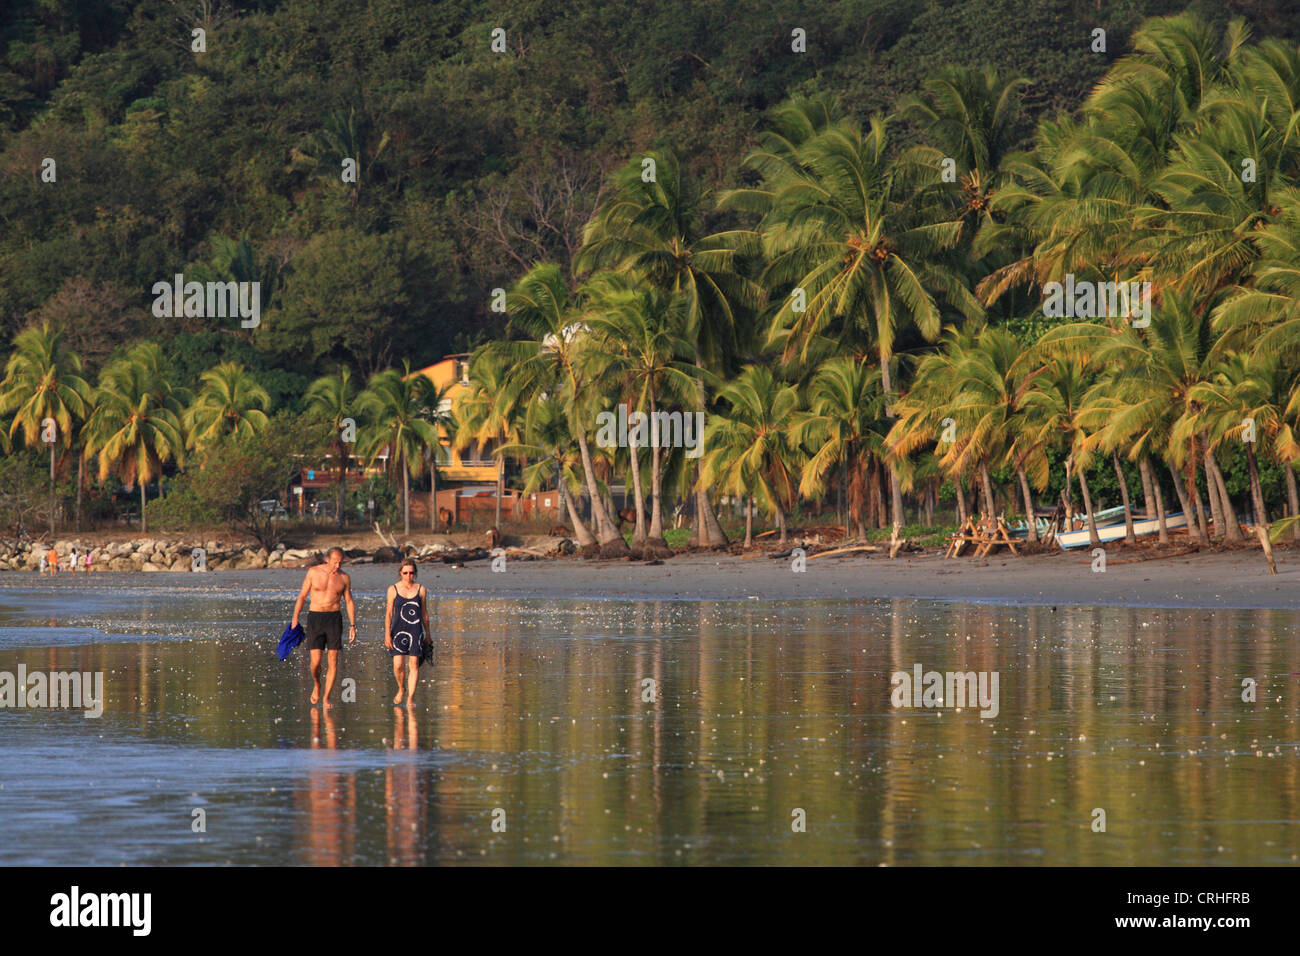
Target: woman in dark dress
[{"x": 406, "y": 629}]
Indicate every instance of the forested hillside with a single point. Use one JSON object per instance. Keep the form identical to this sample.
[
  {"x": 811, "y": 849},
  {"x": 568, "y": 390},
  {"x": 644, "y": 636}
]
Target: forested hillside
[{"x": 473, "y": 164}]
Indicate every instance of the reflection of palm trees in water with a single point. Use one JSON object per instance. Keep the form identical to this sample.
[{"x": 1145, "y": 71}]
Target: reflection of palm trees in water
[
  {"x": 404, "y": 797},
  {"x": 330, "y": 803}
]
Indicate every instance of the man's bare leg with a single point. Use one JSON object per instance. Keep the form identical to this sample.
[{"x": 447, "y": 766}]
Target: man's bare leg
[
  {"x": 315, "y": 675},
  {"x": 399, "y": 674},
  {"x": 329, "y": 676},
  {"x": 412, "y": 675}
]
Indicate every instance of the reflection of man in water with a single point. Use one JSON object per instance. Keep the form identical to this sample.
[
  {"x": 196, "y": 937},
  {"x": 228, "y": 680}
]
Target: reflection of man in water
[
  {"x": 328, "y": 822},
  {"x": 324, "y": 631}
]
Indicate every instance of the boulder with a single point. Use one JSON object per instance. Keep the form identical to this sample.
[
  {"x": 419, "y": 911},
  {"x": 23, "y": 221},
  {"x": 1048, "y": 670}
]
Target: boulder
[
  {"x": 387, "y": 555},
  {"x": 150, "y": 566},
  {"x": 122, "y": 564}
]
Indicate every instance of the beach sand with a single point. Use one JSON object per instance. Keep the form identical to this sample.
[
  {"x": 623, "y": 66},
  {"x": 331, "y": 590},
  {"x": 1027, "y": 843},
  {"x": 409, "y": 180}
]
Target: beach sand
[{"x": 1227, "y": 579}]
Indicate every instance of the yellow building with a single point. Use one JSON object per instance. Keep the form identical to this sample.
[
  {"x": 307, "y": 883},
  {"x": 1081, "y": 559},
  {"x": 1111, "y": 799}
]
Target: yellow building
[{"x": 452, "y": 373}]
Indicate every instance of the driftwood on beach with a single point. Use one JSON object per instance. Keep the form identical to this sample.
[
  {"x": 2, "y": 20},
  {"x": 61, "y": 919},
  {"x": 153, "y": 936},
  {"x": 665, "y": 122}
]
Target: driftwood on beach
[{"x": 461, "y": 555}]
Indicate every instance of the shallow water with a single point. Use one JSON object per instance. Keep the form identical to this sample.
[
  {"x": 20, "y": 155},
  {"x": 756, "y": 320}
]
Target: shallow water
[{"x": 535, "y": 709}]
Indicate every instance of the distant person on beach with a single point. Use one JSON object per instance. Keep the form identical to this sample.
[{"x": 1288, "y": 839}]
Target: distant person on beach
[
  {"x": 53, "y": 557},
  {"x": 72, "y": 560},
  {"x": 406, "y": 628},
  {"x": 45, "y": 563},
  {"x": 324, "y": 632},
  {"x": 87, "y": 561}
]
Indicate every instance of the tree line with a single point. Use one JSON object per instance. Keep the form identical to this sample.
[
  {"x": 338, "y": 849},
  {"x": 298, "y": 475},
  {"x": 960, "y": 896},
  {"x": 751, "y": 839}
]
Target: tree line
[{"x": 872, "y": 313}]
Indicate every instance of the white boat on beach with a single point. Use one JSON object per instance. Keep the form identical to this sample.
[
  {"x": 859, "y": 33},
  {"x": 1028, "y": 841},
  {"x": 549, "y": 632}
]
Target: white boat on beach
[{"x": 1113, "y": 532}]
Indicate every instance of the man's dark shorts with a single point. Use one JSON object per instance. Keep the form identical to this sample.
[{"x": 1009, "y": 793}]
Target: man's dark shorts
[{"x": 324, "y": 630}]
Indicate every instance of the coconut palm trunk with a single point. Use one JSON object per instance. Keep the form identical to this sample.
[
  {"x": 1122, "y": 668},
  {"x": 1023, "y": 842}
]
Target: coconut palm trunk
[
  {"x": 1293, "y": 498},
  {"x": 144, "y": 525},
  {"x": 1148, "y": 496},
  {"x": 81, "y": 481},
  {"x": 896, "y": 506},
  {"x": 1194, "y": 527},
  {"x": 1029, "y": 505},
  {"x": 749, "y": 522},
  {"x": 1093, "y": 538},
  {"x": 708, "y": 532},
  {"x": 711, "y": 528},
  {"x": 1257, "y": 498},
  {"x": 433, "y": 489},
  {"x": 1212, "y": 493},
  {"x": 406, "y": 497},
  {"x": 1231, "y": 529},
  {"x": 586, "y": 540},
  {"x": 1160, "y": 511},
  {"x": 655, "y": 541},
  {"x": 1151, "y": 491},
  {"x": 655, "y": 545},
  {"x": 638, "y": 533},
  {"x": 611, "y": 542},
  {"x": 961, "y": 502},
  {"x": 501, "y": 483},
  {"x": 1069, "y": 495},
  {"x": 895, "y": 490},
  {"x": 343, "y": 483},
  {"x": 857, "y": 498},
  {"x": 986, "y": 483},
  {"x": 1203, "y": 517},
  {"x": 1129, "y": 537},
  {"x": 52, "y": 491}
]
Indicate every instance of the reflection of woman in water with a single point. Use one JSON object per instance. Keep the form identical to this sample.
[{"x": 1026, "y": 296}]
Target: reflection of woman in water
[{"x": 406, "y": 628}]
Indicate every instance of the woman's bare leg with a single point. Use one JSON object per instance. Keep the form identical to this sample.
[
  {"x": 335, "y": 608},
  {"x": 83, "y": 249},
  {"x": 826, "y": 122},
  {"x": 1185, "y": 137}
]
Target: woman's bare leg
[
  {"x": 412, "y": 675},
  {"x": 399, "y": 674}
]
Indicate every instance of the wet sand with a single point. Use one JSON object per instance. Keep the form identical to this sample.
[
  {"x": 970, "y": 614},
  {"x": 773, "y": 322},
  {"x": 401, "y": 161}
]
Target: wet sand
[
  {"x": 1228, "y": 579},
  {"x": 1238, "y": 579}
]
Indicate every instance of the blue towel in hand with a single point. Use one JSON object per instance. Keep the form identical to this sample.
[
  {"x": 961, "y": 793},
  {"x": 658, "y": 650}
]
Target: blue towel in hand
[{"x": 290, "y": 639}]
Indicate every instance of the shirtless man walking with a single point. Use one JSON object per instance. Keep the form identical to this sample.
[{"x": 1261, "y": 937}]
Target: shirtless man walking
[{"x": 326, "y": 584}]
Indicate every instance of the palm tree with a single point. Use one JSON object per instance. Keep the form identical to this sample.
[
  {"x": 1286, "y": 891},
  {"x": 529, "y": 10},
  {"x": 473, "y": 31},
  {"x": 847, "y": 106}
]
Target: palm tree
[
  {"x": 1247, "y": 399},
  {"x": 749, "y": 446},
  {"x": 230, "y": 402},
  {"x": 550, "y": 361},
  {"x": 658, "y": 228},
  {"x": 137, "y": 424},
  {"x": 344, "y": 134},
  {"x": 845, "y": 226},
  {"x": 1055, "y": 403},
  {"x": 547, "y": 444},
  {"x": 1153, "y": 401},
  {"x": 638, "y": 344},
  {"x": 333, "y": 397},
  {"x": 968, "y": 400},
  {"x": 483, "y": 416},
  {"x": 968, "y": 116},
  {"x": 843, "y": 427},
  {"x": 44, "y": 390},
  {"x": 392, "y": 400},
  {"x": 435, "y": 408}
]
